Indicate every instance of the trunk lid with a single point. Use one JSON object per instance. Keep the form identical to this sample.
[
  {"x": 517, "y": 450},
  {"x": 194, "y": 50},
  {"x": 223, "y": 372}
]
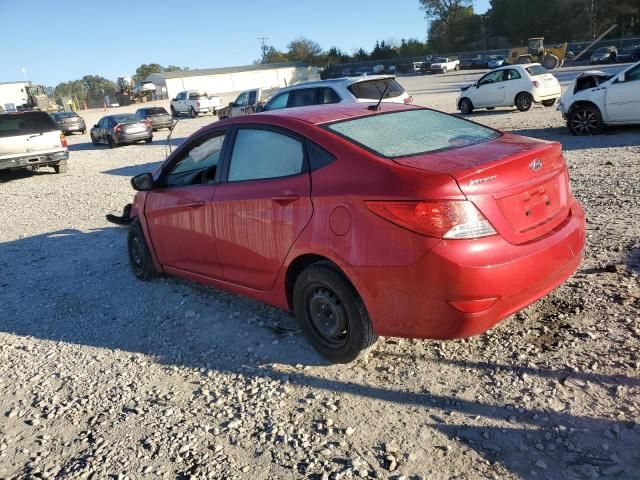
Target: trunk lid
[
  {"x": 520, "y": 184},
  {"x": 134, "y": 127}
]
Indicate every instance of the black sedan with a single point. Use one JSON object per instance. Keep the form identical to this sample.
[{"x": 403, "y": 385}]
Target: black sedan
[
  {"x": 629, "y": 54},
  {"x": 115, "y": 130},
  {"x": 158, "y": 117},
  {"x": 69, "y": 122}
]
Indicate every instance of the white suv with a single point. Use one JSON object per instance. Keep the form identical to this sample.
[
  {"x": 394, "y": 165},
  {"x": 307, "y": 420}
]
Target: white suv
[
  {"x": 514, "y": 85},
  {"x": 337, "y": 90},
  {"x": 596, "y": 99}
]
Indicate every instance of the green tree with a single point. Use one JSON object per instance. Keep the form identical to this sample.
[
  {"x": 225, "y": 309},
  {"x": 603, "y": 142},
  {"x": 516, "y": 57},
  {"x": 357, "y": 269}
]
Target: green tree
[
  {"x": 272, "y": 55},
  {"x": 303, "y": 50},
  {"x": 360, "y": 55},
  {"x": 412, "y": 48},
  {"x": 96, "y": 87},
  {"x": 144, "y": 70},
  {"x": 383, "y": 51}
]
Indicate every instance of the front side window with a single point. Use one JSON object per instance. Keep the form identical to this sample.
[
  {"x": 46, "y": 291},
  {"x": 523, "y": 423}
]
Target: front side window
[
  {"x": 493, "y": 77},
  {"x": 242, "y": 99},
  {"x": 633, "y": 74},
  {"x": 261, "y": 154},
  {"x": 278, "y": 102},
  {"x": 198, "y": 165},
  {"x": 411, "y": 132}
]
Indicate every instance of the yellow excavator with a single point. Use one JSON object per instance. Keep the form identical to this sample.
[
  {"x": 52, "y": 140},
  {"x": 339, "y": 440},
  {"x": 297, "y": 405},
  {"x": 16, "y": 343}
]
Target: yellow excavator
[{"x": 549, "y": 57}]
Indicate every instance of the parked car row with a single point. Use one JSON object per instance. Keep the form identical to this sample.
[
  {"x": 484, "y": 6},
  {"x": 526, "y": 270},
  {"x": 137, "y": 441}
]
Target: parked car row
[{"x": 594, "y": 100}]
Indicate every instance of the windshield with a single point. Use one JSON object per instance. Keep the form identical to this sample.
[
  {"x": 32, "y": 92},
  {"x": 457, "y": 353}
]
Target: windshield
[
  {"x": 442, "y": 60},
  {"x": 14, "y": 124},
  {"x": 61, "y": 115},
  {"x": 535, "y": 70},
  {"x": 411, "y": 132},
  {"x": 125, "y": 118}
]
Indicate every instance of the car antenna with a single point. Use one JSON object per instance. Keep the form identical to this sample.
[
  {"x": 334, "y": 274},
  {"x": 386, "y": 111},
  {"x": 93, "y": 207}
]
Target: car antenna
[
  {"x": 376, "y": 107},
  {"x": 169, "y": 137}
]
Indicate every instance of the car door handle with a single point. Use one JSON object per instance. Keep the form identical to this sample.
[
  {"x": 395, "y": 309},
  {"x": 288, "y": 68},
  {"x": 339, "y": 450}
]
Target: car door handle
[
  {"x": 285, "y": 198},
  {"x": 196, "y": 204},
  {"x": 501, "y": 88}
]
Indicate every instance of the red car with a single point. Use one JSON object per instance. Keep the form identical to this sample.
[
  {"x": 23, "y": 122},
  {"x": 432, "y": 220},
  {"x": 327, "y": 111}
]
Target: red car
[{"x": 402, "y": 221}]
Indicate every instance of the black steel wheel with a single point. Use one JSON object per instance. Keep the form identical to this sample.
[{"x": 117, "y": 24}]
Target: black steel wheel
[
  {"x": 332, "y": 314},
  {"x": 139, "y": 255},
  {"x": 466, "y": 106},
  {"x": 585, "y": 120},
  {"x": 524, "y": 101}
]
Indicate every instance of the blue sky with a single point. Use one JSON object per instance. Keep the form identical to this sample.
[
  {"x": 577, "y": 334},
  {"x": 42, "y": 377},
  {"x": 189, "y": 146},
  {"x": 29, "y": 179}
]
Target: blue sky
[{"x": 67, "y": 39}]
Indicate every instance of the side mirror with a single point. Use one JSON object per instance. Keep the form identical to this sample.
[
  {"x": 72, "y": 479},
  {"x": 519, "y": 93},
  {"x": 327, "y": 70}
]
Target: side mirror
[
  {"x": 142, "y": 182},
  {"x": 96, "y": 126},
  {"x": 232, "y": 104},
  {"x": 259, "y": 108}
]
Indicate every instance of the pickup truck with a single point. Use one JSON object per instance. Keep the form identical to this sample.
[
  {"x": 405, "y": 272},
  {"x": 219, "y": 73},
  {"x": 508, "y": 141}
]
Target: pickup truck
[
  {"x": 194, "y": 103},
  {"x": 246, "y": 103},
  {"x": 445, "y": 64},
  {"x": 31, "y": 139}
]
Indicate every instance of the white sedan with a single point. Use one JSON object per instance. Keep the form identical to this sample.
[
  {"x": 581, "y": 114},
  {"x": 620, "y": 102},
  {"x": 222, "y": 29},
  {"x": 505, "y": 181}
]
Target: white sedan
[
  {"x": 514, "y": 85},
  {"x": 596, "y": 99}
]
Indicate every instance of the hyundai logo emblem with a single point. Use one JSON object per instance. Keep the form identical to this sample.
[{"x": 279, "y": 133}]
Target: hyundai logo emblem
[{"x": 536, "y": 165}]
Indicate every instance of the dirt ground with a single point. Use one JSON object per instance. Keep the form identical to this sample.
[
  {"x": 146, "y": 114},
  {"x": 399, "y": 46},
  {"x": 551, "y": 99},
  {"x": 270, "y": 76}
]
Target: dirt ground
[{"x": 103, "y": 376}]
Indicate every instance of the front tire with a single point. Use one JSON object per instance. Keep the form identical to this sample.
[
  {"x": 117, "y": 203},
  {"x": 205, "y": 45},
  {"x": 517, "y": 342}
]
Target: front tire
[
  {"x": 466, "y": 106},
  {"x": 193, "y": 113},
  {"x": 332, "y": 314},
  {"x": 444, "y": 70},
  {"x": 174, "y": 112},
  {"x": 139, "y": 254},
  {"x": 93, "y": 140},
  {"x": 585, "y": 120},
  {"x": 524, "y": 101},
  {"x": 111, "y": 142}
]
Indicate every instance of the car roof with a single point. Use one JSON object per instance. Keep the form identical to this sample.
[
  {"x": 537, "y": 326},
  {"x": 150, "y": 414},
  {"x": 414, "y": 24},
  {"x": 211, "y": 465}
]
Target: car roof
[
  {"x": 347, "y": 81},
  {"x": 318, "y": 114}
]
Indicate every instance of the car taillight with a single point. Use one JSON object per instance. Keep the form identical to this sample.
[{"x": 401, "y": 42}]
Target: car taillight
[
  {"x": 118, "y": 128},
  {"x": 63, "y": 141},
  {"x": 436, "y": 218},
  {"x": 536, "y": 84},
  {"x": 147, "y": 123},
  {"x": 408, "y": 100}
]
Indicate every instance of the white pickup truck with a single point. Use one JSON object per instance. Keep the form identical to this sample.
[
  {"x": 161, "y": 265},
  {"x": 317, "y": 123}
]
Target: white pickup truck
[
  {"x": 246, "y": 103},
  {"x": 194, "y": 103},
  {"x": 445, "y": 64}
]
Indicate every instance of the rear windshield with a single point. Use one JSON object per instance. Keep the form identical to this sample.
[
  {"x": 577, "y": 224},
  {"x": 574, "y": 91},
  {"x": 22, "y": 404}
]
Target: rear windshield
[
  {"x": 372, "y": 89},
  {"x": 412, "y": 132},
  {"x": 155, "y": 111},
  {"x": 27, "y": 123},
  {"x": 535, "y": 70},
  {"x": 61, "y": 115},
  {"x": 197, "y": 96},
  {"x": 125, "y": 117}
]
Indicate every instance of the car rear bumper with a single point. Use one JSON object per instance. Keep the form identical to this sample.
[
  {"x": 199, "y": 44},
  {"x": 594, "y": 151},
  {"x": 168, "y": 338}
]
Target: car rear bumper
[
  {"x": 134, "y": 137},
  {"x": 488, "y": 279},
  {"x": 162, "y": 124},
  {"x": 549, "y": 95},
  {"x": 33, "y": 159},
  {"x": 74, "y": 127}
]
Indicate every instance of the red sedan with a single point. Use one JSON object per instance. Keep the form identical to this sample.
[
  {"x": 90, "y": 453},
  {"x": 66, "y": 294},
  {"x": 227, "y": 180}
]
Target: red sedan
[{"x": 402, "y": 221}]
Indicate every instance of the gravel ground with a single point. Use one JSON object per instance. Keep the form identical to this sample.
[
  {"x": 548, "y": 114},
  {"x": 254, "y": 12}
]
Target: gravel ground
[{"x": 103, "y": 376}]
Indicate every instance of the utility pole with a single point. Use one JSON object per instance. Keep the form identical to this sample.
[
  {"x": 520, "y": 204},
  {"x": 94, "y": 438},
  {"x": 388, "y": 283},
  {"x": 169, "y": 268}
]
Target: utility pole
[{"x": 263, "y": 48}]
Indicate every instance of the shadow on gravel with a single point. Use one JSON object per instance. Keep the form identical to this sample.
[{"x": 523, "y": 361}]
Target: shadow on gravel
[
  {"x": 131, "y": 170},
  {"x": 613, "y": 137},
  {"x": 21, "y": 174},
  {"x": 76, "y": 287},
  {"x": 158, "y": 140}
]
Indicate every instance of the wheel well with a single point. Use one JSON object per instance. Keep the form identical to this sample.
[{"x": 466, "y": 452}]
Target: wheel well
[
  {"x": 582, "y": 103},
  {"x": 298, "y": 266}
]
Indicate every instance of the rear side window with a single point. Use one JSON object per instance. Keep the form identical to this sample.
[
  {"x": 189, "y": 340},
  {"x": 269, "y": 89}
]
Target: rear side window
[
  {"x": 372, "y": 89},
  {"x": 26, "y": 124},
  {"x": 261, "y": 154},
  {"x": 412, "y": 132},
  {"x": 328, "y": 95},
  {"x": 535, "y": 70},
  {"x": 513, "y": 75},
  {"x": 302, "y": 97}
]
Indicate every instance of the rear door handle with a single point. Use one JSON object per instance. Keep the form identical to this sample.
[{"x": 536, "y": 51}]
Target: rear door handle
[
  {"x": 196, "y": 204},
  {"x": 285, "y": 198}
]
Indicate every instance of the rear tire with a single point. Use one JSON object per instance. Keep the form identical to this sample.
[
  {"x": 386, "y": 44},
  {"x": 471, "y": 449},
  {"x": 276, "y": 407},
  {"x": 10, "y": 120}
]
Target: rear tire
[
  {"x": 61, "y": 167},
  {"x": 585, "y": 120},
  {"x": 139, "y": 254},
  {"x": 524, "y": 101},
  {"x": 549, "y": 103},
  {"x": 466, "y": 106},
  {"x": 550, "y": 62},
  {"x": 332, "y": 314},
  {"x": 148, "y": 140}
]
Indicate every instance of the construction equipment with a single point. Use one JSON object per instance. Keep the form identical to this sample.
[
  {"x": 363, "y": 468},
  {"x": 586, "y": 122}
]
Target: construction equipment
[
  {"x": 39, "y": 100},
  {"x": 133, "y": 92},
  {"x": 536, "y": 52}
]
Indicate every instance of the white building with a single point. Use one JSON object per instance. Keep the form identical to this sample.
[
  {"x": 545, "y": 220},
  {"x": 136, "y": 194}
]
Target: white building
[
  {"x": 13, "y": 95},
  {"x": 227, "y": 81}
]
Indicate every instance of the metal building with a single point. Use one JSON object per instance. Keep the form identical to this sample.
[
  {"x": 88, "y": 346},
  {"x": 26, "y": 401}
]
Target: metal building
[{"x": 227, "y": 81}]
